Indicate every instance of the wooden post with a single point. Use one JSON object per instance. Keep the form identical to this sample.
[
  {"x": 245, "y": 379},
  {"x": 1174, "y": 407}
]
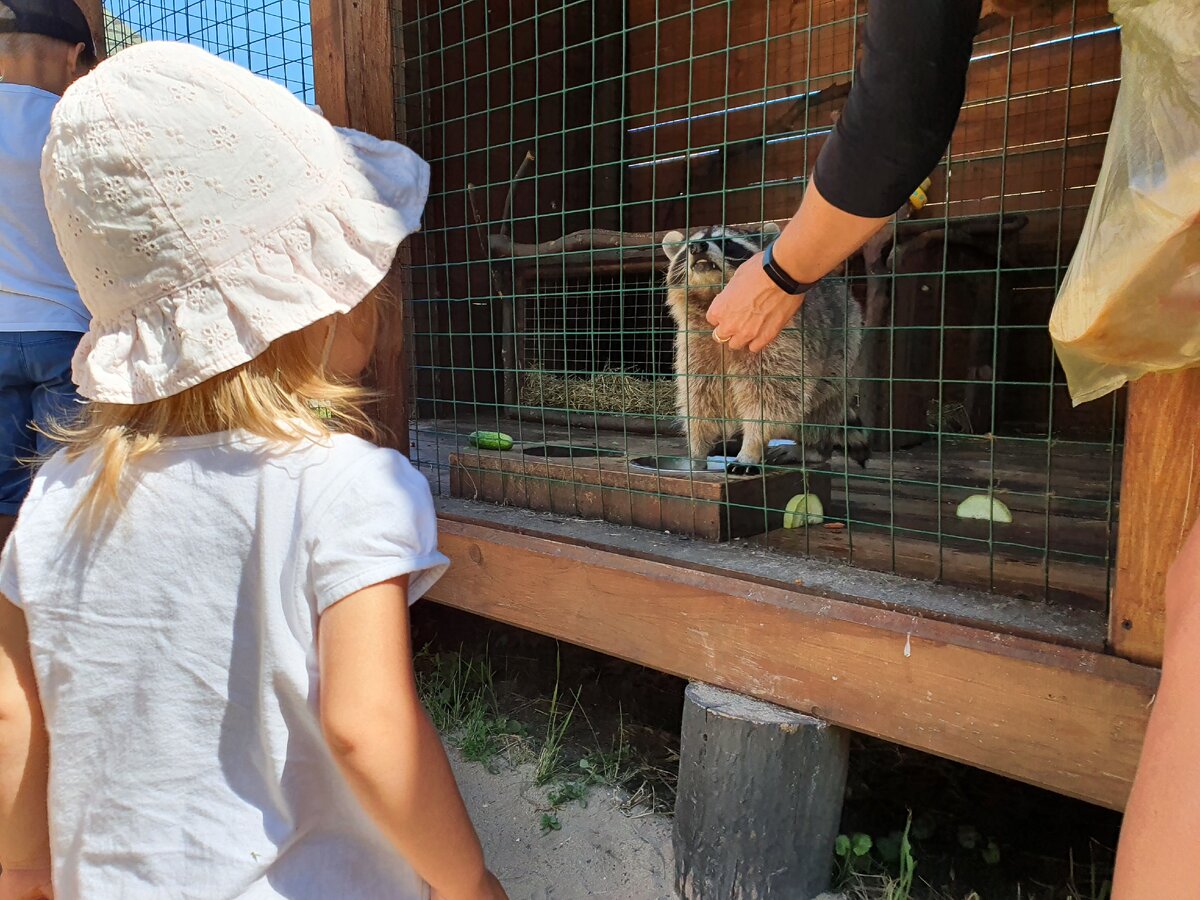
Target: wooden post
[
  {"x": 759, "y": 800},
  {"x": 355, "y": 67},
  {"x": 94, "y": 10},
  {"x": 1160, "y": 497}
]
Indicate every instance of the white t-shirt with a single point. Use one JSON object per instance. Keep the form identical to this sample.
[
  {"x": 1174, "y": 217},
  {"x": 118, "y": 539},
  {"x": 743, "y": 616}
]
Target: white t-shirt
[
  {"x": 177, "y": 668},
  {"x": 36, "y": 292}
]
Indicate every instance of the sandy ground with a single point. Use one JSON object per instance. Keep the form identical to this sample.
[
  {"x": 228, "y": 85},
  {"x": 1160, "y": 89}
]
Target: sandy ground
[{"x": 601, "y": 850}]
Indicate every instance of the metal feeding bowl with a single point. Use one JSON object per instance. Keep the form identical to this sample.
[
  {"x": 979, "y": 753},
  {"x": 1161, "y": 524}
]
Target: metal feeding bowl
[
  {"x": 564, "y": 451},
  {"x": 670, "y": 464}
]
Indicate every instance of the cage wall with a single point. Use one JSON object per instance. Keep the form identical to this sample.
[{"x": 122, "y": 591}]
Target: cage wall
[{"x": 567, "y": 137}]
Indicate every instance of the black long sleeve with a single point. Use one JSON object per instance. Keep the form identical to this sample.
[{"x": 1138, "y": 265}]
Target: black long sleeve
[{"x": 903, "y": 106}]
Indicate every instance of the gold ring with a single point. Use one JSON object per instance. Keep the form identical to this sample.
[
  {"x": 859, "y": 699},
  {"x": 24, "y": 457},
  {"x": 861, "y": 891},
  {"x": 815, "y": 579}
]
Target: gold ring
[{"x": 718, "y": 338}]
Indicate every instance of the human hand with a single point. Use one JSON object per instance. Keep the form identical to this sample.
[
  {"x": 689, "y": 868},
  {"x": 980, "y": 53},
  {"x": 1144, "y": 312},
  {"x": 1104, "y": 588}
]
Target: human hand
[
  {"x": 26, "y": 884},
  {"x": 751, "y": 311},
  {"x": 489, "y": 889}
]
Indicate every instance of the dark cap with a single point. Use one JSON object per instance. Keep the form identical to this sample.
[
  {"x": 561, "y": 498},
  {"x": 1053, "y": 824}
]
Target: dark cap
[{"x": 58, "y": 19}]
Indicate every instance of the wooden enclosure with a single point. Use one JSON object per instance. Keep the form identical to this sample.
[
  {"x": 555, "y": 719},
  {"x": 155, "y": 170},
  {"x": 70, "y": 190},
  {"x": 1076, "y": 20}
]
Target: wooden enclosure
[
  {"x": 1058, "y": 697},
  {"x": 543, "y": 119}
]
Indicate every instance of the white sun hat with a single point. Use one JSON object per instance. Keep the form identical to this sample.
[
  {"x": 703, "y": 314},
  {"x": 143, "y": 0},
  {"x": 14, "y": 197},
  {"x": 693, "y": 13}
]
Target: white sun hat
[{"x": 204, "y": 212}]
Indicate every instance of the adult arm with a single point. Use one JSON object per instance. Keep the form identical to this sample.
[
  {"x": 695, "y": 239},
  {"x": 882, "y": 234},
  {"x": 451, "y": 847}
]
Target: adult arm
[{"x": 897, "y": 120}]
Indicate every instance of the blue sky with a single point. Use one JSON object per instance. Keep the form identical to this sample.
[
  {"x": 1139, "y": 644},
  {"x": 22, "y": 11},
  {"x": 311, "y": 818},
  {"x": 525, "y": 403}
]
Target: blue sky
[{"x": 270, "y": 37}]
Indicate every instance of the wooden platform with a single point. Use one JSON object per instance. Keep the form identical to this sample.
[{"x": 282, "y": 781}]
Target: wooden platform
[
  {"x": 897, "y": 515},
  {"x": 1066, "y": 719}
]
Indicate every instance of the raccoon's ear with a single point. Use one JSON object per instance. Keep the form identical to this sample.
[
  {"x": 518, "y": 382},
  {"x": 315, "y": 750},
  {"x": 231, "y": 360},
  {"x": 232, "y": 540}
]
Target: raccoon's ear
[
  {"x": 672, "y": 244},
  {"x": 770, "y": 231}
]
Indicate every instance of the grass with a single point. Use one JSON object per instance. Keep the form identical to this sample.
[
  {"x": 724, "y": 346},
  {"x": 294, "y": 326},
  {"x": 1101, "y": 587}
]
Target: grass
[
  {"x": 884, "y": 868},
  {"x": 550, "y": 754},
  {"x": 556, "y": 736},
  {"x": 460, "y": 696}
]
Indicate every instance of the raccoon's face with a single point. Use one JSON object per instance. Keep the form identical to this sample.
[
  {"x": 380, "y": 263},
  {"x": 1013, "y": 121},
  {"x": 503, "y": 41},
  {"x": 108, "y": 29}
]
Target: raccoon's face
[{"x": 709, "y": 257}]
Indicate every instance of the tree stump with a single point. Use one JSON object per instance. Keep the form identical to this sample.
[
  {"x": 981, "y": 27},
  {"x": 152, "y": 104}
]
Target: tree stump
[{"x": 759, "y": 799}]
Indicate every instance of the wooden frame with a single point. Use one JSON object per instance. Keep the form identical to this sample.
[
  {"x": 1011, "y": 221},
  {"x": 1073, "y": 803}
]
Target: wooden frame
[
  {"x": 1160, "y": 497},
  {"x": 354, "y": 90},
  {"x": 94, "y": 10}
]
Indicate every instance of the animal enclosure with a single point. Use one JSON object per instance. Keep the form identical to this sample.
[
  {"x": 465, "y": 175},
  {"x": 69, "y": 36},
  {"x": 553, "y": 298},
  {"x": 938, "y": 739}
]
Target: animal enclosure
[{"x": 568, "y": 138}]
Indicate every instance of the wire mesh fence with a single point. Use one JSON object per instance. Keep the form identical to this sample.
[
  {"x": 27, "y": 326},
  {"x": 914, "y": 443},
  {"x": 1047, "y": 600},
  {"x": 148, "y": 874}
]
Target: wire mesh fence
[
  {"x": 568, "y": 137},
  {"x": 269, "y": 37}
]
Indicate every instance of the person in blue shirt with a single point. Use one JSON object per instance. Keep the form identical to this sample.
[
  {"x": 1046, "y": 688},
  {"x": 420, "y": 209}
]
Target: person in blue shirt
[{"x": 45, "y": 45}]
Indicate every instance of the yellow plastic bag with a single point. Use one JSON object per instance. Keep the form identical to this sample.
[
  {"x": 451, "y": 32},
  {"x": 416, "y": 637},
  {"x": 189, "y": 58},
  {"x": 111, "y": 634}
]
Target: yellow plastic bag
[{"x": 1130, "y": 303}]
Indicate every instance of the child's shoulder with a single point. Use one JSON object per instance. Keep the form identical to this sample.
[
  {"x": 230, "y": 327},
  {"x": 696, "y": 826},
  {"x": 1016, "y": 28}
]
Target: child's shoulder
[
  {"x": 62, "y": 473},
  {"x": 349, "y": 466},
  {"x": 347, "y": 453}
]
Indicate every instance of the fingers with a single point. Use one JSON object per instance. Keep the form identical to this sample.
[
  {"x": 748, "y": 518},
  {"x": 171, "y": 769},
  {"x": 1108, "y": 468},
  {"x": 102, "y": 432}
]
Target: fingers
[{"x": 739, "y": 341}]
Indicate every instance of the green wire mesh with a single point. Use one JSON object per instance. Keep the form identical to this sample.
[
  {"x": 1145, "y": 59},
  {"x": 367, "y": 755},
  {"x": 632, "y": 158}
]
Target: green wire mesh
[
  {"x": 270, "y": 37},
  {"x": 550, "y": 118}
]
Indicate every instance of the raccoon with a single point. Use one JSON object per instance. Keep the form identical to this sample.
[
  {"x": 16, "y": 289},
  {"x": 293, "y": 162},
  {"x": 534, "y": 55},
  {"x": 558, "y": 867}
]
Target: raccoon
[{"x": 794, "y": 388}]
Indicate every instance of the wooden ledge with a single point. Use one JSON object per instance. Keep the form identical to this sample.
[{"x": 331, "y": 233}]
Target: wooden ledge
[{"x": 1062, "y": 718}]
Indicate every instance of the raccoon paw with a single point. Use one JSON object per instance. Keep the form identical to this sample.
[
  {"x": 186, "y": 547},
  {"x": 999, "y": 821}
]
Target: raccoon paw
[
  {"x": 741, "y": 468},
  {"x": 858, "y": 447}
]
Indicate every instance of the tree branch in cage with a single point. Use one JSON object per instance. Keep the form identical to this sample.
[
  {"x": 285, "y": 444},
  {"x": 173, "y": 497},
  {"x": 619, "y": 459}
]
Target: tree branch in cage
[
  {"x": 506, "y": 216},
  {"x": 601, "y": 239}
]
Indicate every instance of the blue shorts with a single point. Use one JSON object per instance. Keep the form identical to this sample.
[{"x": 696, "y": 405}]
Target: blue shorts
[{"x": 35, "y": 387}]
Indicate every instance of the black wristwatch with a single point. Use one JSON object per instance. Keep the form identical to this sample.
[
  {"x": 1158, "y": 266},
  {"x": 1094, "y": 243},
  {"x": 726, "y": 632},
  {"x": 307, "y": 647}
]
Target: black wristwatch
[{"x": 782, "y": 279}]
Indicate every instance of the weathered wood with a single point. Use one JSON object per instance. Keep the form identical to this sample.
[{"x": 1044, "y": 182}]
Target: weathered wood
[
  {"x": 1064, "y": 719},
  {"x": 355, "y": 72},
  {"x": 1160, "y": 498},
  {"x": 710, "y": 505},
  {"x": 94, "y": 10},
  {"x": 759, "y": 799}
]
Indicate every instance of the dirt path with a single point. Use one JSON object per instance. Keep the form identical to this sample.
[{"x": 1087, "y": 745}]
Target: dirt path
[{"x": 600, "y": 851}]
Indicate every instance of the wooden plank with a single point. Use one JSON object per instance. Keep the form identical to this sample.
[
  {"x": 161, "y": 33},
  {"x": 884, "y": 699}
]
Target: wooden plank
[
  {"x": 1064, "y": 719},
  {"x": 94, "y": 10},
  {"x": 1160, "y": 497},
  {"x": 354, "y": 70}
]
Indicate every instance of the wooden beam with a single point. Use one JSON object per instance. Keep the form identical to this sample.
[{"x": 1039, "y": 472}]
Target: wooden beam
[
  {"x": 1064, "y": 719},
  {"x": 355, "y": 65},
  {"x": 94, "y": 10},
  {"x": 1160, "y": 497}
]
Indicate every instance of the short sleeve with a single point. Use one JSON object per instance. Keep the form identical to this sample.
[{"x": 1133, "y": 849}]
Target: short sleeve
[
  {"x": 376, "y": 522},
  {"x": 9, "y": 584}
]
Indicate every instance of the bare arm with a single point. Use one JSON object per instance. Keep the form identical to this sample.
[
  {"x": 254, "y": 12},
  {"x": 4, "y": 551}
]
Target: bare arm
[
  {"x": 24, "y": 762},
  {"x": 752, "y": 310},
  {"x": 386, "y": 746}
]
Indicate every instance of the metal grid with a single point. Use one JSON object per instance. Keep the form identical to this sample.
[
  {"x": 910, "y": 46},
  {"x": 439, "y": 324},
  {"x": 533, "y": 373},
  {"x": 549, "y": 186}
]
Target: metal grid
[
  {"x": 544, "y": 119},
  {"x": 269, "y": 37}
]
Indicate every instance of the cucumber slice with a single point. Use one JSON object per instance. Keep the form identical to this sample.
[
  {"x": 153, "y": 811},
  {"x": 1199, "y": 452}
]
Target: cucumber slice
[
  {"x": 981, "y": 506},
  {"x": 803, "y": 510}
]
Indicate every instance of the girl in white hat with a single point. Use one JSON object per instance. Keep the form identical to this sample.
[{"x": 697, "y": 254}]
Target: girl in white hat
[{"x": 210, "y": 584}]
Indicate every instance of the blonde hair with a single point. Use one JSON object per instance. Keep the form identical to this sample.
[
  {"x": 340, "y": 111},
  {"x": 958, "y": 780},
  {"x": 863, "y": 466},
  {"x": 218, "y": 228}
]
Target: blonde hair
[{"x": 284, "y": 394}]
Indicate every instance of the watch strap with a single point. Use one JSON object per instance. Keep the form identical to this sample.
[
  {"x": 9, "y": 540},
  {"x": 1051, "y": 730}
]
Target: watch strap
[{"x": 782, "y": 279}]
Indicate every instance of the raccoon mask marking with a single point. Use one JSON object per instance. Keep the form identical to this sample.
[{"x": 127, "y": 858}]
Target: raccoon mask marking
[{"x": 705, "y": 262}]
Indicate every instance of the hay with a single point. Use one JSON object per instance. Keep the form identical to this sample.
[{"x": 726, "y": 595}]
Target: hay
[{"x": 619, "y": 393}]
